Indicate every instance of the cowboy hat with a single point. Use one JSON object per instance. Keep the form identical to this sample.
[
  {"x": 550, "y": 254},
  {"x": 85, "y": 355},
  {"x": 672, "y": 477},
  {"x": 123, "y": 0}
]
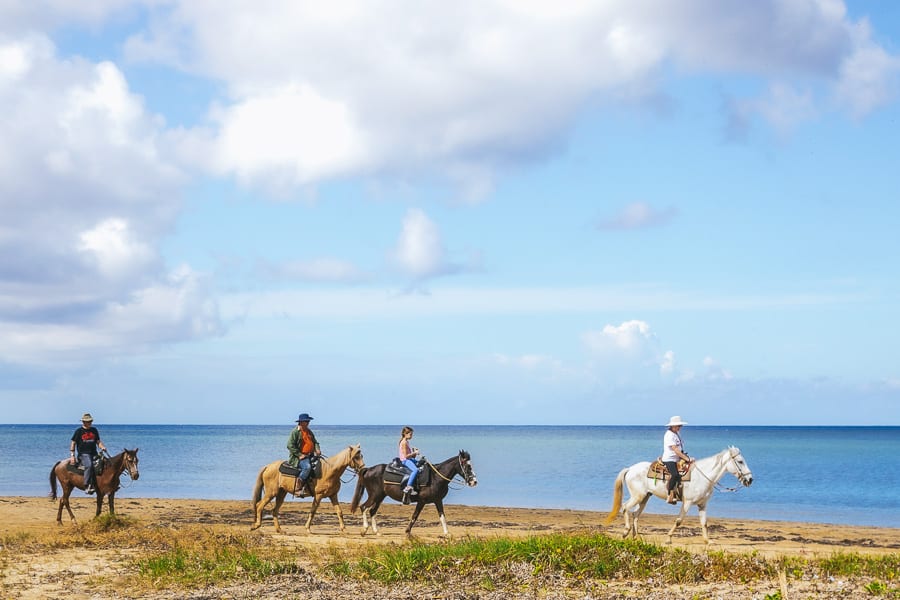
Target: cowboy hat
[
  {"x": 304, "y": 417},
  {"x": 87, "y": 418},
  {"x": 676, "y": 420}
]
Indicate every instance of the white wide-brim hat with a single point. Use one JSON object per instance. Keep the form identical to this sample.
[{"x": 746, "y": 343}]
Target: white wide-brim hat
[{"x": 676, "y": 420}]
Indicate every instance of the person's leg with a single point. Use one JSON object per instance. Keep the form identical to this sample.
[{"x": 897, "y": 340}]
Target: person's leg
[
  {"x": 88, "y": 464},
  {"x": 305, "y": 468},
  {"x": 411, "y": 465},
  {"x": 674, "y": 480}
]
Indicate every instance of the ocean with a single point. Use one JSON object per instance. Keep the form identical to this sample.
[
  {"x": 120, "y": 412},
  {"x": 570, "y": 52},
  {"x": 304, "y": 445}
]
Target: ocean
[{"x": 841, "y": 475}]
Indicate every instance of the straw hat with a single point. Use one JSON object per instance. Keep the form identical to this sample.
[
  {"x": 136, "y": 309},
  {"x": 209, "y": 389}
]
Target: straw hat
[
  {"x": 676, "y": 420},
  {"x": 86, "y": 417}
]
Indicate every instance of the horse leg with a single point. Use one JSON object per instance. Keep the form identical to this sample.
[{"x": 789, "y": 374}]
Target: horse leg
[
  {"x": 372, "y": 511},
  {"x": 637, "y": 513},
  {"x": 337, "y": 509},
  {"x": 701, "y": 508},
  {"x": 631, "y": 529},
  {"x": 64, "y": 502},
  {"x": 99, "y": 502},
  {"x": 678, "y": 520},
  {"x": 111, "y": 500},
  {"x": 279, "y": 500},
  {"x": 418, "y": 510},
  {"x": 439, "y": 505},
  {"x": 312, "y": 512},
  {"x": 260, "y": 506}
]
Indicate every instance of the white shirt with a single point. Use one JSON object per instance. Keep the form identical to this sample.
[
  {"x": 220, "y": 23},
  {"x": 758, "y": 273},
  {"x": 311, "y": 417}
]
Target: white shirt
[{"x": 671, "y": 439}]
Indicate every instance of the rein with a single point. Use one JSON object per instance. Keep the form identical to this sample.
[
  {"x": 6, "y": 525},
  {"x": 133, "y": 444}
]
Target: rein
[
  {"x": 718, "y": 486},
  {"x": 442, "y": 476}
]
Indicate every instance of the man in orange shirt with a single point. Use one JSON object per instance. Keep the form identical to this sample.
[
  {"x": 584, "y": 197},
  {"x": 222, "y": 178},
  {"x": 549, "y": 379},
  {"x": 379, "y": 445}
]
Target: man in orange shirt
[{"x": 302, "y": 444}]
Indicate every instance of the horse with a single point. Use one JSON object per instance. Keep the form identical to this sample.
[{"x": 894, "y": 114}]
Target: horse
[
  {"x": 278, "y": 485},
  {"x": 107, "y": 481},
  {"x": 372, "y": 481},
  {"x": 705, "y": 475}
]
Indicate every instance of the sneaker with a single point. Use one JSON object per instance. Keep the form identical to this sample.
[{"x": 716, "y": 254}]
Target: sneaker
[
  {"x": 408, "y": 490},
  {"x": 89, "y": 489}
]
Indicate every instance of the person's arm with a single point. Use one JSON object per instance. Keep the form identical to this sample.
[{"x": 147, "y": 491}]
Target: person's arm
[
  {"x": 293, "y": 444},
  {"x": 100, "y": 444},
  {"x": 674, "y": 448}
]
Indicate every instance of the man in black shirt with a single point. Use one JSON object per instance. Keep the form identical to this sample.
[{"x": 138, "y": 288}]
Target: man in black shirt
[{"x": 86, "y": 441}]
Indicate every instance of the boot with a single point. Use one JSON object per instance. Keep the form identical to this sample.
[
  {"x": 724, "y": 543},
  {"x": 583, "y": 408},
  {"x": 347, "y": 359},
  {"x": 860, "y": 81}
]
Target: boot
[{"x": 671, "y": 499}]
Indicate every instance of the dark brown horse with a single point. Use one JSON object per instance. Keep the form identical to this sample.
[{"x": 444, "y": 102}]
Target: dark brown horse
[
  {"x": 372, "y": 481},
  {"x": 107, "y": 481}
]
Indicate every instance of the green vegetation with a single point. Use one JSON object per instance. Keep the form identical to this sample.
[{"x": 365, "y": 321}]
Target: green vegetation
[
  {"x": 496, "y": 562},
  {"x": 166, "y": 556}
]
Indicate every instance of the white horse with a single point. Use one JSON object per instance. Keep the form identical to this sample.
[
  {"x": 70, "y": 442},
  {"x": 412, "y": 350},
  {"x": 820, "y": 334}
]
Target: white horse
[{"x": 705, "y": 475}]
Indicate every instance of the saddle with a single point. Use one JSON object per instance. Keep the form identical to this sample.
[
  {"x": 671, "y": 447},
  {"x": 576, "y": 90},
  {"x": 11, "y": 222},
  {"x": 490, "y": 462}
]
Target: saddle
[
  {"x": 77, "y": 469},
  {"x": 659, "y": 472},
  {"x": 396, "y": 473},
  {"x": 288, "y": 470},
  {"x": 315, "y": 472}
]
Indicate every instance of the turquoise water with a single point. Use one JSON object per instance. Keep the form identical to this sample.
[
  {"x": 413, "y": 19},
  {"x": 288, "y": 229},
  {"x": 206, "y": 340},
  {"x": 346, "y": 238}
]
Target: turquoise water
[{"x": 846, "y": 475}]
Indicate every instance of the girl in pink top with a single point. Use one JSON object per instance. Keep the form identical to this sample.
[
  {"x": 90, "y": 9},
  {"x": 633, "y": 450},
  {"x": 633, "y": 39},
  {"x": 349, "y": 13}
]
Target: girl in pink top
[{"x": 406, "y": 454}]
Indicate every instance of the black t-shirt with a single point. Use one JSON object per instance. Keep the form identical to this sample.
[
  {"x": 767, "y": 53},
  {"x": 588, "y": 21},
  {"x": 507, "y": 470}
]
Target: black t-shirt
[{"x": 86, "y": 440}]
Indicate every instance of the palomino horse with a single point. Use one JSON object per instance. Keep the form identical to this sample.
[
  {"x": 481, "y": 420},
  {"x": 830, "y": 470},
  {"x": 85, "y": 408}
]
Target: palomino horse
[
  {"x": 705, "y": 475},
  {"x": 372, "y": 480},
  {"x": 107, "y": 481},
  {"x": 278, "y": 485}
]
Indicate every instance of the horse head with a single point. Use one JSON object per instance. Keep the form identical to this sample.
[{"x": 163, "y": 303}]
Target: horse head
[
  {"x": 466, "y": 470},
  {"x": 356, "y": 458},
  {"x": 738, "y": 467},
  {"x": 130, "y": 460}
]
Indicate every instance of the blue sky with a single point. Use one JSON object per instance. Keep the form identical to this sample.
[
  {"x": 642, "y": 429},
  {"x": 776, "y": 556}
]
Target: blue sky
[{"x": 493, "y": 212}]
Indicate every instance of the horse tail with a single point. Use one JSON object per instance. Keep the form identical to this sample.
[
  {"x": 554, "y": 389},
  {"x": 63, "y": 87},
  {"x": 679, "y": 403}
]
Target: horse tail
[
  {"x": 53, "y": 482},
  {"x": 617, "y": 497},
  {"x": 258, "y": 488},
  {"x": 358, "y": 492}
]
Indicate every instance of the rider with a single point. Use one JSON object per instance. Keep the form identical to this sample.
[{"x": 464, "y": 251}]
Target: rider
[
  {"x": 406, "y": 454},
  {"x": 673, "y": 449},
  {"x": 301, "y": 445},
  {"x": 86, "y": 440}
]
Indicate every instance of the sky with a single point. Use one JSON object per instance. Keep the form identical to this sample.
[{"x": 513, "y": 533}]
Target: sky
[{"x": 493, "y": 212}]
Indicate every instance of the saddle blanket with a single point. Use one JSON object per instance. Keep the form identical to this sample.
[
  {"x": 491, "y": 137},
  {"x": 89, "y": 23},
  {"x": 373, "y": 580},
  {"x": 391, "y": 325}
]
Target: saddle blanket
[{"x": 658, "y": 470}]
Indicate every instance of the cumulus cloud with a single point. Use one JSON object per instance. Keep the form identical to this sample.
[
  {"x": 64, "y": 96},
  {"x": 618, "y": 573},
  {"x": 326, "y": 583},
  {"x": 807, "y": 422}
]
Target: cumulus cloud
[
  {"x": 449, "y": 88},
  {"x": 86, "y": 194},
  {"x": 419, "y": 253}
]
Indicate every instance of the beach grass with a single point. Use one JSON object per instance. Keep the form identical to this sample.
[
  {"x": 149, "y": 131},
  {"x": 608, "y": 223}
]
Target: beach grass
[
  {"x": 166, "y": 556},
  {"x": 500, "y": 561}
]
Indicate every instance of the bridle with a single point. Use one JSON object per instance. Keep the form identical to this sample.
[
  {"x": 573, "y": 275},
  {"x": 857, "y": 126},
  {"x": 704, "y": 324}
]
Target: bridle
[
  {"x": 742, "y": 477},
  {"x": 467, "y": 473}
]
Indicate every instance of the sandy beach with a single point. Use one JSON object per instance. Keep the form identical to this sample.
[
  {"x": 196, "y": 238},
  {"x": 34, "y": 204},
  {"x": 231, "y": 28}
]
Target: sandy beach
[{"x": 38, "y": 576}]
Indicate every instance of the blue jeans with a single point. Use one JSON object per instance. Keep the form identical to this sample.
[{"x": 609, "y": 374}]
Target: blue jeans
[
  {"x": 87, "y": 461},
  {"x": 411, "y": 465},
  {"x": 305, "y": 468}
]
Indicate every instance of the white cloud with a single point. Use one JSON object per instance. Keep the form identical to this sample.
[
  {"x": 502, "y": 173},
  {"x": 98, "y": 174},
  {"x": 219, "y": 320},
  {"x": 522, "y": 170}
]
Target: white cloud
[
  {"x": 317, "y": 91},
  {"x": 86, "y": 193},
  {"x": 420, "y": 252}
]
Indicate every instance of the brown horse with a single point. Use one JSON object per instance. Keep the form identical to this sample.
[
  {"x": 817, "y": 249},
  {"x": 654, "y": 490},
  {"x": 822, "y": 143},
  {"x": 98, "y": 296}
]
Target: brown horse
[
  {"x": 277, "y": 485},
  {"x": 372, "y": 482},
  {"x": 107, "y": 481}
]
